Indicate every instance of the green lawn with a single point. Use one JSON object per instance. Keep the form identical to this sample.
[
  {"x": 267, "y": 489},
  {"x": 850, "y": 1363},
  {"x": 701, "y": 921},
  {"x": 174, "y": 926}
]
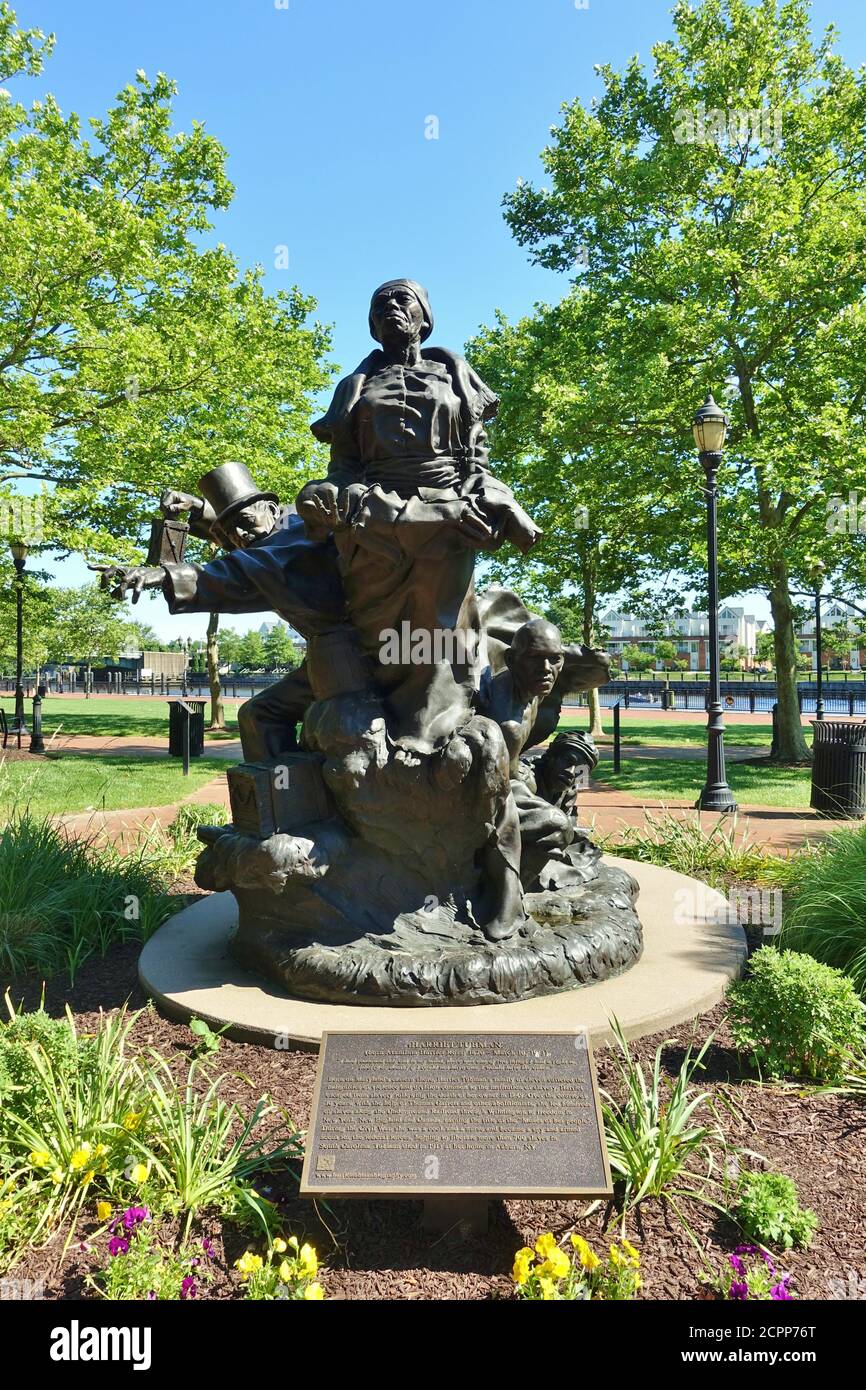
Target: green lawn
[
  {"x": 61, "y": 786},
  {"x": 682, "y": 781},
  {"x": 669, "y": 733},
  {"x": 110, "y": 716}
]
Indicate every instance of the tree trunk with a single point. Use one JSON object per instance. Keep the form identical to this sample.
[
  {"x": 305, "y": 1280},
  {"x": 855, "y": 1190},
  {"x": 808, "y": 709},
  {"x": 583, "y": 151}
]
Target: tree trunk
[
  {"x": 217, "y": 708},
  {"x": 596, "y": 728},
  {"x": 87, "y": 682},
  {"x": 792, "y": 744}
]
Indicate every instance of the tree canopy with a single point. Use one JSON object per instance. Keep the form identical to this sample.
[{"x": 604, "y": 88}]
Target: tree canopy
[
  {"x": 712, "y": 215},
  {"x": 134, "y": 352}
]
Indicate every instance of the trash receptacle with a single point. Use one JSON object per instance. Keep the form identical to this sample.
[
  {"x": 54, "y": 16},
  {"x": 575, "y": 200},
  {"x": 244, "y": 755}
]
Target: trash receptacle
[
  {"x": 839, "y": 767},
  {"x": 667, "y": 698},
  {"x": 176, "y": 717}
]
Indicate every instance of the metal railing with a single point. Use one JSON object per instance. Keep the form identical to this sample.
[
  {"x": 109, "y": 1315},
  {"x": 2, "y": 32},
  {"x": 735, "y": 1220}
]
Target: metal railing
[{"x": 646, "y": 694}]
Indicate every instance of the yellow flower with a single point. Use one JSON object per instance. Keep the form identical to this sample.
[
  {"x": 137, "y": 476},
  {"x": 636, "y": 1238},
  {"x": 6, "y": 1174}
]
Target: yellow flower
[
  {"x": 545, "y": 1244},
  {"x": 57, "y": 1175},
  {"x": 40, "y": 1158},
  {"x": 6, "y": 1204},
  {"x": 293, "y": 1242},
  {"x": 585, "y": 1254},
  {"x": 286, "y": 1272},
  {"x": 279, "y": 1245},
  {"x": 139, "y": 1173},
  {"x": 638, "y": 1282},
  {"x": 616, "y": 1258},
  {"x": 103, "y": 1211},
  {"x": 314, "y": 1292},
  {"x": 80, "y": 1157},
  {"x": 88, "y": 1176},
  {"x": 522, "y": 1262},
  {"x": 557, "y": 1265},
  {"x": 548, "y": 1290},
  {"x": 630, "y": 1251},
  {"x": 248, "y": 1264},
  {"x": 309, "y": 1261},
  {"x": 132, "y": 1120}
]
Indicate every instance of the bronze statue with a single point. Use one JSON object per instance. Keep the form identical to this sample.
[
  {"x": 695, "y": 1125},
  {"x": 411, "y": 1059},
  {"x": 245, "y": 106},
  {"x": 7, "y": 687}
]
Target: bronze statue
[
  {"x": 409, "y": 499},
  {"x": 404, "y": 849},
  {"x": 271, "y": 566}
]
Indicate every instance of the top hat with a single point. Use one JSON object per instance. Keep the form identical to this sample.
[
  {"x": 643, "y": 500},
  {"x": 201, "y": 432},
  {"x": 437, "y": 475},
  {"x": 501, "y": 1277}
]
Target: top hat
[{"x": 230, "y": 487}]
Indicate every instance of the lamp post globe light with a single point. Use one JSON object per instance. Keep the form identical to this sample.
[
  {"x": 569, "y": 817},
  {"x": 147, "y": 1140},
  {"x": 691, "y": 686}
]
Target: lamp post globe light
[
  {"x": 19, "y": 559},
  {"x": 710, "y": 427},
  {"x": 817, "y": 570}
]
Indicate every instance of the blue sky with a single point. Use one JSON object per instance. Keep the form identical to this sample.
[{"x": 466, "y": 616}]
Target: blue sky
[{"x": 324, "y": 107}]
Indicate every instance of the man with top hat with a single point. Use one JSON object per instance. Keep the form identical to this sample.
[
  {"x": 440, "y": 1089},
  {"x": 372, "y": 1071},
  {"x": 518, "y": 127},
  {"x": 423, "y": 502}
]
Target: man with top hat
[{"x": 271, "y": 565}]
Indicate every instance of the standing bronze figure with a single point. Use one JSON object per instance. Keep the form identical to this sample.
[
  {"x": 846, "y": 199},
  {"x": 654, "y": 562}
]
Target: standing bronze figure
[{"x": 391, "y": 839}]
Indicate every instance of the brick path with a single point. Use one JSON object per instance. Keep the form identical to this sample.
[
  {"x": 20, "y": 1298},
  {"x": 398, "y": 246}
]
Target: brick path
[
  {"x": 124, "y": 828},
  {"x": 608, "y": 809}
]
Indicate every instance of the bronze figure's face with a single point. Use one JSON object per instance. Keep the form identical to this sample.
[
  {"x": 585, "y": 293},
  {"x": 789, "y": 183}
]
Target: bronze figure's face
[
  {"x": 250, "y": 524},
  {"x": 396, "y": 315},
  {"x": 537, "y": 658},
  {"x": 562, "y": 777}
]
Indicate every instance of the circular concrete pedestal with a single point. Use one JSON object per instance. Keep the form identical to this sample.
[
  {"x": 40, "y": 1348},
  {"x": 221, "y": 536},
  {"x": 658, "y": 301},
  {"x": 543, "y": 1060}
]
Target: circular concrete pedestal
[{"x": 691, "y": 952}]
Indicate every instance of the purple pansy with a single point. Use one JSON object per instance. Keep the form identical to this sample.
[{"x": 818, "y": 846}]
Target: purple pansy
[
  {"x": 738, "y": 1290},
  {"x": 133, "y": 1216},
  {"x": 118, "y": 1245},
  {"x": 188, "y": 1287}
]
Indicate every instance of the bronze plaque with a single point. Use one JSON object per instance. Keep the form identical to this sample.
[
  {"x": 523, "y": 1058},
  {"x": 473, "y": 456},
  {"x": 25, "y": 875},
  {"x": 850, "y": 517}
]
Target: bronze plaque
[{"x": 420, "y": 1114}]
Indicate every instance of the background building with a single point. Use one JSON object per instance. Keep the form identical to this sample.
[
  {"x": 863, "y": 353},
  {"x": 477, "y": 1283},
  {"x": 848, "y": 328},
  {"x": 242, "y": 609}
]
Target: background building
[{"x": 689, "y": 634}]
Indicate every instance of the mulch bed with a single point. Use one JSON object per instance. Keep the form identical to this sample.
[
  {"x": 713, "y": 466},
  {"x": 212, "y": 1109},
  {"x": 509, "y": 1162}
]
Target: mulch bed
[{"x": 377, "y": 1249}]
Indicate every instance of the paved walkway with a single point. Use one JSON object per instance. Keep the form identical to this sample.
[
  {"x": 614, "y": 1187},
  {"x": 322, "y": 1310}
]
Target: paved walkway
[
  {"x": 125, "y": 828},
  {"x": 137, "y": 745},
  {"x": 684, "y": 753},
  {"x": 609, "y": 810}
]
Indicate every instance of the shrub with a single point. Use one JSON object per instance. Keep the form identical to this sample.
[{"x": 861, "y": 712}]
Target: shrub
[
  {"x": 825, "y": 904},
  {"x": 718, "y": 856},
  {"x": 652, "y": 1138},
  {"x": 183, "y": 845},
  {"x": 201, "y": 1150},
  {"x": 83, "y": 1120},
  {"x": 796, "y": 1016},
  {"x": 548, "y": 1273},
  {"x": 65, "y": 1116},
  {"x": 768, "y": 1211}
]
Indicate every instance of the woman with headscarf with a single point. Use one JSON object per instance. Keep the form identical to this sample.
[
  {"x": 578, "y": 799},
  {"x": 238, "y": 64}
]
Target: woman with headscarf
[{"x": 409, "y": 499}]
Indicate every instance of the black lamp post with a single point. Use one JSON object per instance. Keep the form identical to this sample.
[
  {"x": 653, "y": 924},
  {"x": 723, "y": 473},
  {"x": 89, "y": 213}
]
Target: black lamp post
[
  {"x": 19, "y": 559},
  {"x": 816, "y": 574},
  {"x": 185, "y": 648},
  {"x": 710, "y": 426}
]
